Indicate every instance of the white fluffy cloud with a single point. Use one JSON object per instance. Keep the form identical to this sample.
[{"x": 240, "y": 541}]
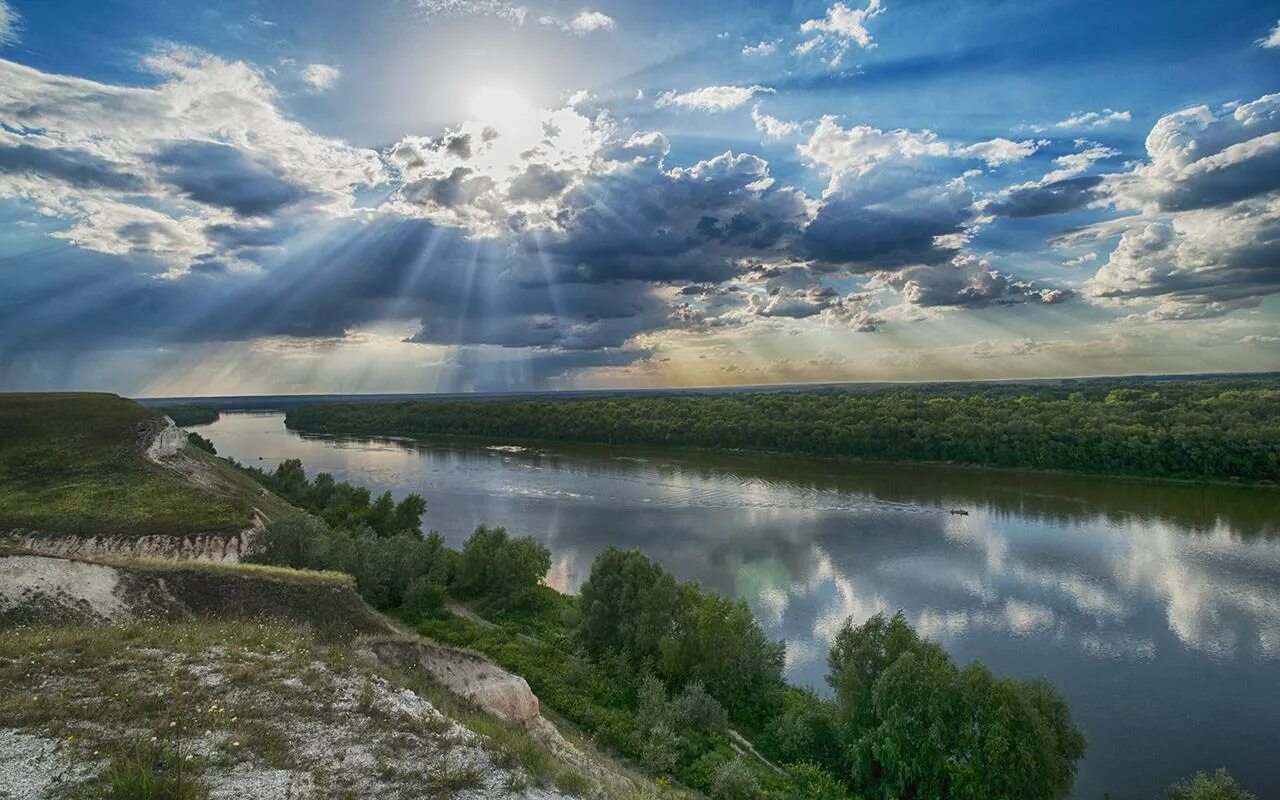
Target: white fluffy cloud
[
  {"x": 772, "y": 127},
  {"x": 1073, "y": 164},
  {"x": 712, "y": 99},
  {"x": 841, "y": 26},
  {"x": 999, "y": 151},
  {"x": 761, "y": 48},
  {"x": 583, "y": 23},
  {"x": 321, "y": 76},
  {"x": 152, "y": 171},
  {"x": 1207, "y": 238}
]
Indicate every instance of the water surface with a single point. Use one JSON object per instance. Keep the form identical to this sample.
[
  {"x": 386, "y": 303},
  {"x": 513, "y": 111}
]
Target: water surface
[{"x": 1154, "y": 608}]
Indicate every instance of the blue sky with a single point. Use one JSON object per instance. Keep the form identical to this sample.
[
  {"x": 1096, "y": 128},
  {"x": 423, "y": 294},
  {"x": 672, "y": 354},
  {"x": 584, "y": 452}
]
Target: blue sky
[{"x": 418, "y": 195}]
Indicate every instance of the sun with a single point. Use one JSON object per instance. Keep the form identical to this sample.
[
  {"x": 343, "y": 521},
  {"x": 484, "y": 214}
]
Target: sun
[{"x": 504, "y": 106}]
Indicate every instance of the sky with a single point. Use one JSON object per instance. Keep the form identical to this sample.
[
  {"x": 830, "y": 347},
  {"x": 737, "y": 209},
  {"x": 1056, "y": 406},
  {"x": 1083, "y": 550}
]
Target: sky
[{"x": 253, "y": 197}]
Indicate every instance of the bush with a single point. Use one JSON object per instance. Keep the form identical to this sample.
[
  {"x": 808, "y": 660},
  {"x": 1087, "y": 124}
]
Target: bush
[
  {"x": 1218, "y": 786},
  {"x": 424, "y": 596},
  {"x": 385, "y": 569},
  {"x": 506, "y": 570},
  {"x": 734, "y": 780},
  {"x": 199, "y": 441},
  {"x": 151, "y": 771}
]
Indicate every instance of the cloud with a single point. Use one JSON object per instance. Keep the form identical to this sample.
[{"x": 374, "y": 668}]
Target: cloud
[
  {"x": 966, "y": 281},
  {"x": 1090, "y": 119},
  {"x": 771, "y": 127},
  {"x": 1073, "y": 164},
  {"x": 1199, "y": 159},
  {"x": 999, "y": 151},
  {"x": 90, "y": 135},
  {"x": 840, "y": 27},
  {"x": 10, "y": 24},
  {"x": 1006, "y": 348},
  {"x": 761, "y": 48},
  {"x": 1206, "y": 240},
  {"x": 1272, "y": 39},
  {"x": 73, "y": 167},
  {"x": 321, "y": 76},
  {"x": 498, "y": 9},
  {"x": 712, "y": 99},
  {"x": 588, "y": 22},
  {"x": 1041, "y": 199},
  {"x": 222, "y": 175}
]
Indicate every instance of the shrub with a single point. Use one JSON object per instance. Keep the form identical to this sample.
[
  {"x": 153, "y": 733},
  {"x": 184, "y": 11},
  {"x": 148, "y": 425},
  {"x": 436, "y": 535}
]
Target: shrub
[
  {"x": 151, "y": 771},
  {"x": 1201, "y": 786},
  {"x": 734, "y": 780},
  {"x": 496, "y": 566}
]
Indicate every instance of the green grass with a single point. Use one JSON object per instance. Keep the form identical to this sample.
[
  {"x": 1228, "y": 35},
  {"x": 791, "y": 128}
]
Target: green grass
[{"x": 75, "y": 464}]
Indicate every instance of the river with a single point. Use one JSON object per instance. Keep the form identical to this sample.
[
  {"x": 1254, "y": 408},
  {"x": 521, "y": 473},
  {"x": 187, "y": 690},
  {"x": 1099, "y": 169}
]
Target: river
[{"x": 1154, "y": 608}]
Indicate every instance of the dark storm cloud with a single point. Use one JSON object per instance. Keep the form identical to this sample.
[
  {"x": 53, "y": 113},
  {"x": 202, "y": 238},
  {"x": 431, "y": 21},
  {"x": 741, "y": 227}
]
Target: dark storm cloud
[
  {"x": 1037, "y": 200},
  {"x": 966, "y": 282},
  {"x": 221, "y": 175},
  {"x": 459, "y": 188},
  {"x": 76, "y": 167},
  {"x": 354, "y": 275},
  {"x": 889, "y": 218},
  {"x": 690, "y": 225}
]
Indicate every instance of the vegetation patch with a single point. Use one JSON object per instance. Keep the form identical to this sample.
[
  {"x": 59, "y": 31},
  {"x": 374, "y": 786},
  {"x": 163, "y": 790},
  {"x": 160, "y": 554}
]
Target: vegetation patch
[{"x": 76, "y": 464}]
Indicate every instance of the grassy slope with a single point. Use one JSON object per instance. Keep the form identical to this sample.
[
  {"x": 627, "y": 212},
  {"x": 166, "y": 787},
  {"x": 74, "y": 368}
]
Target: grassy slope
[{"x": 75, "y": 464}]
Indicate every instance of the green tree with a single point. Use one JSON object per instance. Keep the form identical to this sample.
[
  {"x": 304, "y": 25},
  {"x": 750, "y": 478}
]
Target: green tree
[
  {"x": 1201, "y": 786},
  {"x": 931, "y": 730},
  {"x": 628, "y": 604},
  {"x": 497, "y": 566}
]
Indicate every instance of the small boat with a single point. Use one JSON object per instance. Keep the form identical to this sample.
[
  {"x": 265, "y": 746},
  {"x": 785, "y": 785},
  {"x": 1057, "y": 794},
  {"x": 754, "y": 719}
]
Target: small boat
[{"x": 959, "y": 512}]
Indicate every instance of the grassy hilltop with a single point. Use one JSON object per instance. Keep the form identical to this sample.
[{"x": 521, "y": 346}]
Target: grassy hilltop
[{"x": 77, "y": 464}]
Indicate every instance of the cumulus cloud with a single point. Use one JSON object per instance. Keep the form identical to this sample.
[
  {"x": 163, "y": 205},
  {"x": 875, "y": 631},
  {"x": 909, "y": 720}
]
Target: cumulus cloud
[
  {"x": 761, "y": 48},
  {"x": 589, "y": 21},
  {"x": 772, "y": 128},
  {"x": 1073, "y": 164},
  {"x": 838, "y": 29},
  {"x": 712, "y": 99},
  {"x": 203, "y": 147},
  {"x": 964, "y": 281},
  {"x": 583, "y": 23},
  {"x": 1199, "y": 159},
  {"x": 1207, "y": 238},
  {"x": 1038, "y": 199},
  {"x": 321, "y": 76}
]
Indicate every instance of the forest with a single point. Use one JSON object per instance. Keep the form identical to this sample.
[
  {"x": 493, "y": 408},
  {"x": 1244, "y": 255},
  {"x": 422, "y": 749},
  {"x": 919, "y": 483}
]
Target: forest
[{"x": 1219, "y": 429}]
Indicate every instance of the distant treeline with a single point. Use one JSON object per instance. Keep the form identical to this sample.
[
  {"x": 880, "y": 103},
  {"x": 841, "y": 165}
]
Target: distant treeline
[
  {"x": 183, "y": 416},
  {"x": 1200, "y": 429}
]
